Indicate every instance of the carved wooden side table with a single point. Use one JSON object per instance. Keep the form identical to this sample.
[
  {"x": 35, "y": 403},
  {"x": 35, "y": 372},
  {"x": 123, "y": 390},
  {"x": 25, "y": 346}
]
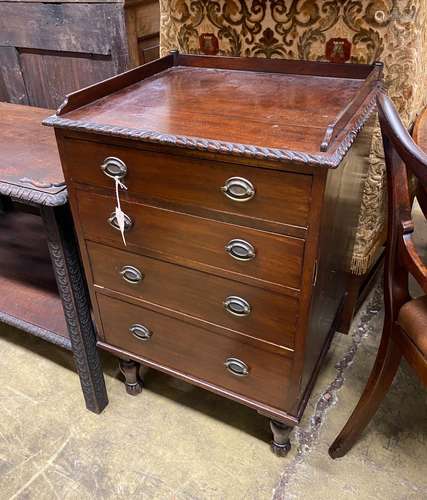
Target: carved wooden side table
[{"x": 42, "y": 291}]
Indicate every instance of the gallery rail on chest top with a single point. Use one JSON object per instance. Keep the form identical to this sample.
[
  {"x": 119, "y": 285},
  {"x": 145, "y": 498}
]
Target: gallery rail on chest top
[{"x": 215, "y": 201}]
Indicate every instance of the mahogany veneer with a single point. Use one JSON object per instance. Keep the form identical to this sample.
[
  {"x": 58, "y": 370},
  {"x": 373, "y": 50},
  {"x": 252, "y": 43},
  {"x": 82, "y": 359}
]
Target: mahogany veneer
[{"x": 243, "y": 190}]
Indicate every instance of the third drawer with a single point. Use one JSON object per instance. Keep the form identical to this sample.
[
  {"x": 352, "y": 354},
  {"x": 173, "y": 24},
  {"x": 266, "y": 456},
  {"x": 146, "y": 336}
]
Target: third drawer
[{"x": 216, "y": 301}]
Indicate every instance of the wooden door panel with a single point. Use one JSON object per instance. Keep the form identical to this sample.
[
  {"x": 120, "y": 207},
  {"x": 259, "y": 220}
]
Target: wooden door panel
[
  {"x": 12, "y": 86},
  {"x": 50, "y": 76}
]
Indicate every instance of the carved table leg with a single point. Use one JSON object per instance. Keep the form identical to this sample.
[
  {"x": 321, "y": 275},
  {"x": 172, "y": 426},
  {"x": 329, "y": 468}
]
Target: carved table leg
[
  {"x": 281, "y": 443},
  {"x": 130, "y": 370},
  {"x": 75, "y": 301}
]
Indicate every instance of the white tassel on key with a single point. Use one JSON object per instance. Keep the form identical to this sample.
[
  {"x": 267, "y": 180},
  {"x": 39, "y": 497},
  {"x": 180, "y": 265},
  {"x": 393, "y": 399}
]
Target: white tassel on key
[{"x": 120, "y": 215}]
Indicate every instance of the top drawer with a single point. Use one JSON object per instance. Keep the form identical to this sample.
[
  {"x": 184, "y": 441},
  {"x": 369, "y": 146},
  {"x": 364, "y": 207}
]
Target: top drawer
[{"x": 247, "y": 193}]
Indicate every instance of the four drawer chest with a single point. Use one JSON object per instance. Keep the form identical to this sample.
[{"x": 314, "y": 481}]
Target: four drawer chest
[{"x": 215, "y": 201}]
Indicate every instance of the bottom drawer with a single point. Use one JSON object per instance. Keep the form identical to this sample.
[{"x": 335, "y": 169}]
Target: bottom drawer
[{"x": 252, "y": 372}]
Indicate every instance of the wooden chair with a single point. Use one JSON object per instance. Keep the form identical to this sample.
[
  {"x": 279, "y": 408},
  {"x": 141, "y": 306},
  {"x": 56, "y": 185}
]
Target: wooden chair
[{"x": 405, "y": 324}]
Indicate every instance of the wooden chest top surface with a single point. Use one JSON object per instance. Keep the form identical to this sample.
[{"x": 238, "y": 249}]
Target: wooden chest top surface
[
  {"x": 268, "y": 110},
  {"x": 30, "y": 168},
  {"x": 280, "y": 110}
]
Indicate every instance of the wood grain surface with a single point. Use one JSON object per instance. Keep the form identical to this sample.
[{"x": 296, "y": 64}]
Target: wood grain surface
[{"x": 307, "y": 106}]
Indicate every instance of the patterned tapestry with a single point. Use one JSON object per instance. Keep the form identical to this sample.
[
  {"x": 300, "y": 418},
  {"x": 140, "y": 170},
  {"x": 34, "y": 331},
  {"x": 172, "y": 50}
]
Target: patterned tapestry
[{"x": 360, "y": 31}]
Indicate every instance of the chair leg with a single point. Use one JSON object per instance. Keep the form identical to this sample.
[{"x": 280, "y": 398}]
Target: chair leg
[{"x": 380, "y": 379}]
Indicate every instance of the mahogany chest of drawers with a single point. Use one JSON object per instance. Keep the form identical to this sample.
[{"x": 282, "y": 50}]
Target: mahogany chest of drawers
[{"x": 239, "y": 181}]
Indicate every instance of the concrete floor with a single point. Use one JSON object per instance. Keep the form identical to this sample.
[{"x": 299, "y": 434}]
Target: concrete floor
[{"x": 175, "y": 441}]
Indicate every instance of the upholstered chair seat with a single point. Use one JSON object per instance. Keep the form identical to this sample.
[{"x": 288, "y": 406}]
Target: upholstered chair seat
[{"x": 413, "y": 320}]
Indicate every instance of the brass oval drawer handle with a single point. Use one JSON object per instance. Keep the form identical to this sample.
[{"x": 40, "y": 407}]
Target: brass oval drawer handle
[
  {"x": 141, "y": 332},
  {"x": 237, "y": 306},
  {"x": 131, "y": 274},
  {"x": 237, "y": 367},
  {"x": 240, "y": 250},
  {"x": 238, "y": 189},
  {"x": 114, "y": 167},
  {"x": 112, "y": 220}
]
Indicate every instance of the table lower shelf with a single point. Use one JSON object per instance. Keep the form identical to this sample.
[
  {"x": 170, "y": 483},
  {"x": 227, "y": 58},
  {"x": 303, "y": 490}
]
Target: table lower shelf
[{"x": 29, "y": 298}]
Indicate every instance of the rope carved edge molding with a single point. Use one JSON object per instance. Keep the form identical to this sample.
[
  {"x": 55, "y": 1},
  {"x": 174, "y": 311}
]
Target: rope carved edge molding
[
  {"x": 33, "y": 196},
  {"x": 331, "y": 160}
]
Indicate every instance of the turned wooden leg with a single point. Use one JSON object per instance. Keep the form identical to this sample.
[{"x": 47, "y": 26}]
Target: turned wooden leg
[
  {"x": 281, "y": 443},
  {"x": 382, "y": 375},
  {"x": 130, "y": 370}
]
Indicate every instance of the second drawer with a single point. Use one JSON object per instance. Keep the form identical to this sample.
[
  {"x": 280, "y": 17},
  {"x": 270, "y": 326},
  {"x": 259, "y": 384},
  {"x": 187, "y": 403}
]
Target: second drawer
[
  {"x": 194, "y": 241},
  {"x": 246, "y": 309}
]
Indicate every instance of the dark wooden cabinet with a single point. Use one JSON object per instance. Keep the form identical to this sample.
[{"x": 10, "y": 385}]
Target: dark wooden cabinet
[
  {"x": 243, "y": 182},
  {"x": 49, "y": 49}
]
